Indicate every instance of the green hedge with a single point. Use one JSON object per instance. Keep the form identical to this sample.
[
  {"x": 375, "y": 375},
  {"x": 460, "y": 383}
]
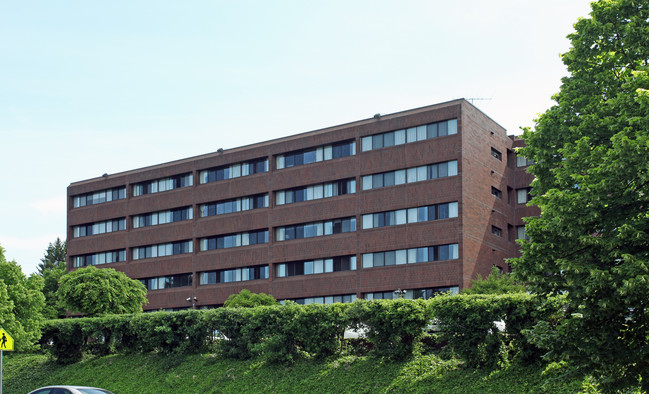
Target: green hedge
[{"x": 282, "y": 333}]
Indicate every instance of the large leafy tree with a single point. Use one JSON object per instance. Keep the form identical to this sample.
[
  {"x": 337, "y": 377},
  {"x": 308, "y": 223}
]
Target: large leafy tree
[
  {"x": 21, "y": 304},
  {"x": 93, "y": 292},
  {"x": 496, "y": 283},
  {"x": 591, "y": 241},
  {"x": 51, "y": 268},
  {"x": 248, "y": 299}
]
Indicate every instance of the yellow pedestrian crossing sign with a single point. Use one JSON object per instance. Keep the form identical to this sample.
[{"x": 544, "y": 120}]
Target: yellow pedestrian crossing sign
[{"x": 6, "y": 341}]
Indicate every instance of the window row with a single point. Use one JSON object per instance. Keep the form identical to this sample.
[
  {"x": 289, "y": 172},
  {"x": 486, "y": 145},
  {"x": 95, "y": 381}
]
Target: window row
[
  {"x": 233, "y": 171},
  {"x": 163, "y": 185},
  {"x": 320, "y": 266},
  {"x": 234, "y": 205},
  {"x": 410, "y": 175},
  {"x": 411, "y": 215},
  {"x": 163, "y": 217},
  {"x": 345, "y": 298},
  {"x": 99, "y": 228},
  {"x": 412, "y": 294},
  {"x": 167, "y": 282},
  {"x": 162, "y": 250},
  {"x": 312, "y": 155},
  {"x": 411, "y": 256},
  {"x": 234, "y": 240},
  {"x": 117, "y": 193},
  {"x": 315, "y": 192},
  {"x": 99, "y": 258},
  {"x": 316, "y": 229},
  {"x": 413, "y": 134},
  {"x": 234, "y": 275}
]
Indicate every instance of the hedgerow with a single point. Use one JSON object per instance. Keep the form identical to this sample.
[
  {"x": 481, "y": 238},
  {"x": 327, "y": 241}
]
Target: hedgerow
[{"x": 284, "y": 333}]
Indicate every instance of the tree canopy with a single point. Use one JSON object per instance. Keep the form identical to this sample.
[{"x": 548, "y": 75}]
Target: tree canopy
[
  {"x": 51, "y": 268},
  {"x": 591, "y": 152},
  {"x": 248, "y": 299},
  {"x": 92, "y": 292},
  {"x": 21, "y": 304},
  {"x": 55, "y": 256},
  {"x": 495, "y": 283}
]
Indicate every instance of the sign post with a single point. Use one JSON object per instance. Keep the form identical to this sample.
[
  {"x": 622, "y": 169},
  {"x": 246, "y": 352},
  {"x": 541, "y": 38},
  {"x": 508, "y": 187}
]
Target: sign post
[{"x": 6, "y": 343}]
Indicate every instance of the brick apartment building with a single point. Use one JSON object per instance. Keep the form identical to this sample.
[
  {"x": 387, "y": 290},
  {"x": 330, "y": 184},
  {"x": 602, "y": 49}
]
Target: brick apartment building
[{"x": 422, "y": 200}]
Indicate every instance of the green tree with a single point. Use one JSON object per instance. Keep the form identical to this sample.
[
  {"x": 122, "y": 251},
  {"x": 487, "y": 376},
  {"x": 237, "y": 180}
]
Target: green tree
[
  {"x": 496, "y": 283},
  {"x": 247, "y": 299},
  {"x": 591, "y": 241},
  {"x": 22, "y": 304},
  {"x": 51, "y": 268},
  {"x": 93, "y": 292},
  {"x": 55, "y": 256}
]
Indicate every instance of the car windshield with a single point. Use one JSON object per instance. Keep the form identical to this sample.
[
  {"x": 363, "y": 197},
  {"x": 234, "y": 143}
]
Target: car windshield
[{"x": 94, "y": 391}]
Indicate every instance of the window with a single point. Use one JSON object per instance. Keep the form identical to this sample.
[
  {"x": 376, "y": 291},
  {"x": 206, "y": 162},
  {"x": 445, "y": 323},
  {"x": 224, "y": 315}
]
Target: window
[
  {"x": 523, "y": 162},
  {"x": 234, "y": 275},
  {"x": 163, "y": 217},
  {"x": 410, "y": 175},
  {"x": 497, "y": 231},
  {"x": 496, "y": 153},
  {"x": 521, "y": 234},
  {"x": 318, "y": 266},
  {"x": 413, "y": 134},
  {"x": 163, "y": 184},
  {"x": 411, "y": 256},
  {"x": 108, "y": 226},
  {"x": 234, "y": 240},
  {"x": 233, "y": 170},
  {"x": 316, "y": 229},
  {"x": 234, "y": 205},
  {"x": 345, "y": 298},
  {"x": 162, "y": 250},
  {"x": 99, "y": 258},
  {"x": 411, "y": 215},
  {"x": 108, "y": 195},
  {"x": 523, "y": 196},
  {"x": 496, "y": 192},
  {"x": 315, "y": 192},
  {"x": 313, "y": 155},
  {"x": 167, "y": 282},
  {"x": 412, "y": 294}
]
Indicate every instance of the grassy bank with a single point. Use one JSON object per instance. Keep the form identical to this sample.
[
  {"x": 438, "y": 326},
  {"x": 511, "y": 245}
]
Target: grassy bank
[{"x": 209, "y": 374}]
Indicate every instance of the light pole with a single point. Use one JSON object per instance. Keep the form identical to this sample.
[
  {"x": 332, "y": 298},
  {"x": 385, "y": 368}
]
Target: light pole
[
  {"x": 399, "y": 293},
  {"x": 193, "y": 300}
]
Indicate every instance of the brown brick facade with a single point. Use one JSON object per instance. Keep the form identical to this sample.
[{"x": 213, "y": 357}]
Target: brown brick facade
[{"x": 479, "y": 212}]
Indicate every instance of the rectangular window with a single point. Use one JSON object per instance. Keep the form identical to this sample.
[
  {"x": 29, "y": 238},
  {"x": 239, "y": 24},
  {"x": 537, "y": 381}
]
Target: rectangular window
[
  {"x": 523, "y": 162},
  {"x": 312, "y": 155},
  {"x": 234, "y": 240},
  {"x": 310, "y": 267},
  {"x": 345, "y": 298},
  {"x": 411, "y": 215},
  {"x": 496, "y": 153},
  {"x": 520, "y": 233},
  {"x": 256, "y": 201},
  {"x": 98, "y": 197},
  {"x": 522, "y": 196},
  {"x": 162, "y": 250},
  {"x": 167, "y": 282},
  {"x": 163, "y": 184},
  {"x": 99, "y": 228},
  {"x": 411, "y": 256},
  {"x": 315, "y": 192},
  {"x": 163, "y": 217},
  {"x": 496, "y": 192},
  {"x": 234, "y": 275},
  {"x": 410, "y": 175},
  {"x": 231, "y": 171},
  {"x": 413, "y": 134},
  {"x": 497, "y": 231},
  {"x": 316, "y": 229},
  {"x": 114, "y": 256}
]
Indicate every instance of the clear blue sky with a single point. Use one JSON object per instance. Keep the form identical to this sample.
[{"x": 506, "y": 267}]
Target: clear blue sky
[{"x": 93, "y": 87}]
